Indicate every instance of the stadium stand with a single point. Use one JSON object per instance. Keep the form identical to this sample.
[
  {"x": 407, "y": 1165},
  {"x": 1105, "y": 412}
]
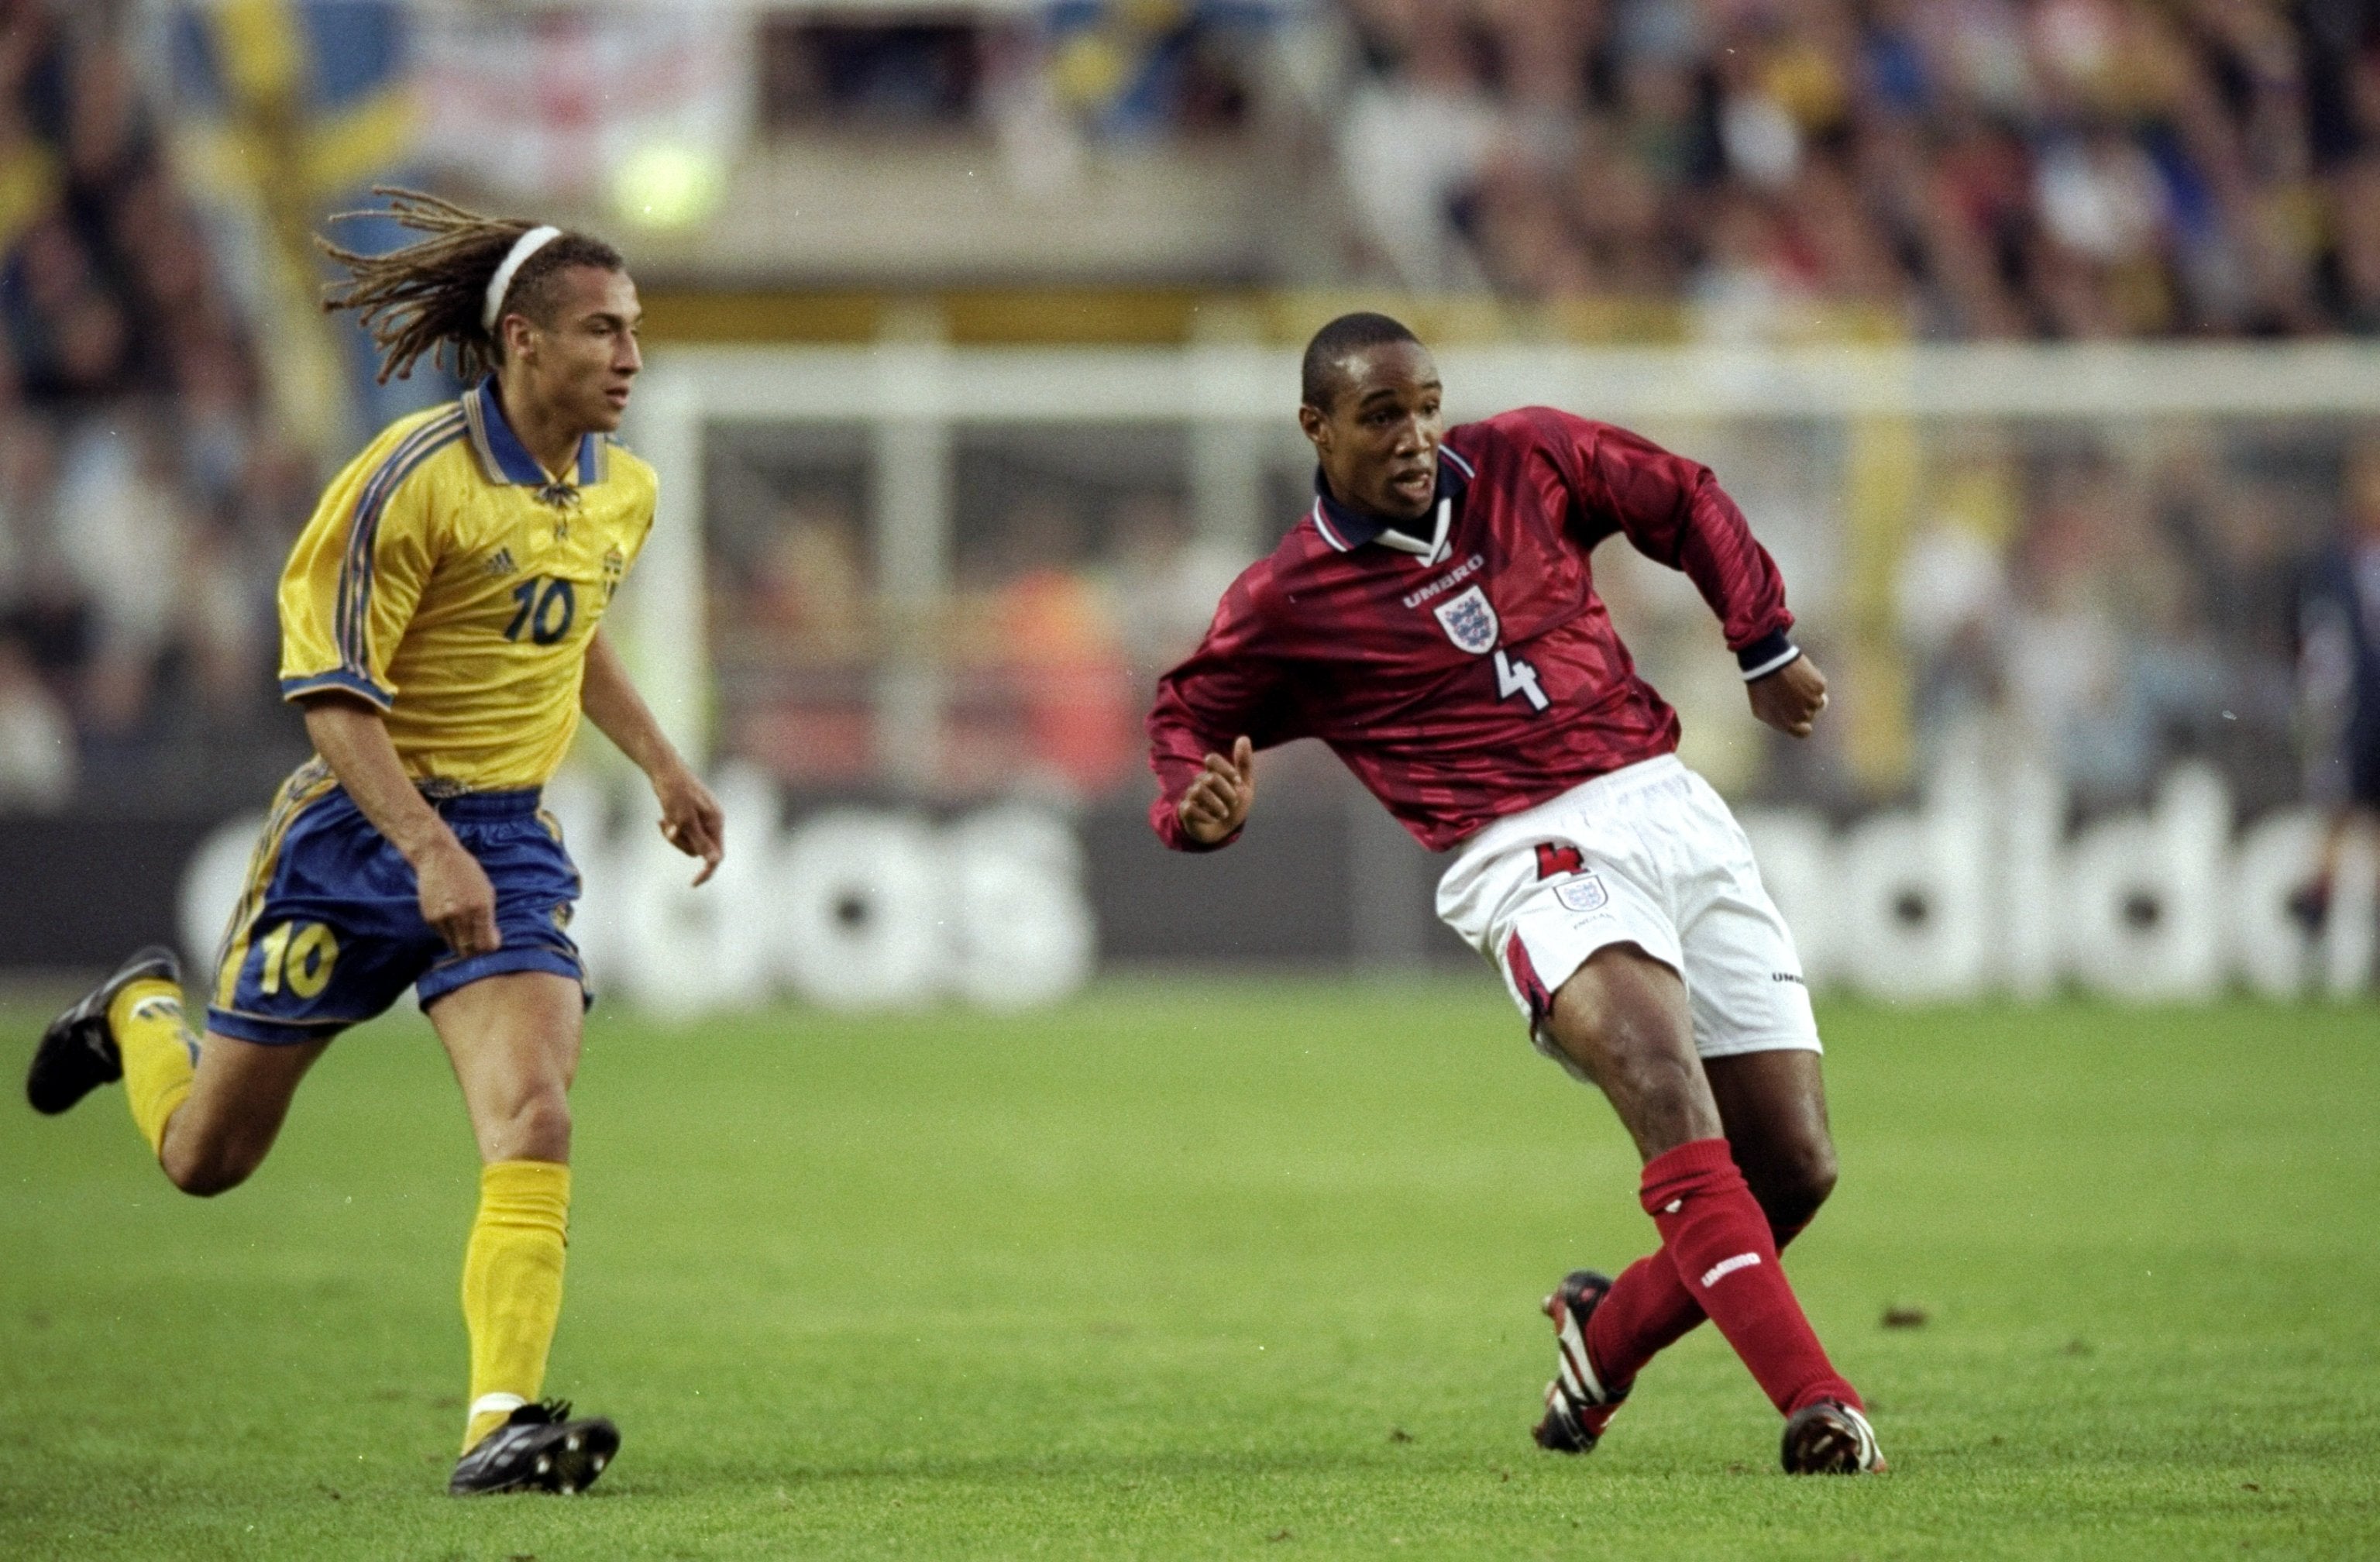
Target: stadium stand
[
  {"x": 144, "y": 500},
  {"x": 1604, "y": 170},
  {"x": 2065, "y": 168}
]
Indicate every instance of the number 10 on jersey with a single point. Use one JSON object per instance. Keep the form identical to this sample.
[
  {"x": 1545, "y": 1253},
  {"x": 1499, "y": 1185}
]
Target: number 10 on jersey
[{"x": 545, "y": 610}]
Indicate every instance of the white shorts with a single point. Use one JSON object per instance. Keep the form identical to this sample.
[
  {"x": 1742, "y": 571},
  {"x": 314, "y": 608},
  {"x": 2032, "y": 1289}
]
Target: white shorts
[{"x": 1648, "y": 855}]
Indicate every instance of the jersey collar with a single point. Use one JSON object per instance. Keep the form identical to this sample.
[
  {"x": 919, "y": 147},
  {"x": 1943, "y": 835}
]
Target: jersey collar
[
  {"x": 1347, "y": 529},
  {"x": 505, "y": 459}
]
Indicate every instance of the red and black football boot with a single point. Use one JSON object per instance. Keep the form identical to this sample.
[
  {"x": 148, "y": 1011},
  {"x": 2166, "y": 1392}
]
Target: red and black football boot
[
  {"x": 1830, "y": 1438},
  {"x": 1577, "y": 1402}
]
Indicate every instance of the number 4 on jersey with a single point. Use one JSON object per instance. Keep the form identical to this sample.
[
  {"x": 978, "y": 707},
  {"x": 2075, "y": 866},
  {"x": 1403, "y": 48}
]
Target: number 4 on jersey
[{"x": 1516, "y": 677}]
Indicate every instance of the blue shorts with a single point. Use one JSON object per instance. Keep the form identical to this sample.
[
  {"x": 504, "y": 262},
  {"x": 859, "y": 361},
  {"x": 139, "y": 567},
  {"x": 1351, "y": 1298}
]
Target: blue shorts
[{"x": 329, "y": 932}]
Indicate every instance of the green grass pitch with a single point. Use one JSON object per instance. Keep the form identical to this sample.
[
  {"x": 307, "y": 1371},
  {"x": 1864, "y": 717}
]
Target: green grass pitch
[{"x": 1241, "y": 1269}]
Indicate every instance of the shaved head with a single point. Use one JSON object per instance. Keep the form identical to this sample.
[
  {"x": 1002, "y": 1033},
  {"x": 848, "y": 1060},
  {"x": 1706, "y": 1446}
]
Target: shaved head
[
  {"x": 1373, "y": 411},
  {"x": 1326, "y": 370}
]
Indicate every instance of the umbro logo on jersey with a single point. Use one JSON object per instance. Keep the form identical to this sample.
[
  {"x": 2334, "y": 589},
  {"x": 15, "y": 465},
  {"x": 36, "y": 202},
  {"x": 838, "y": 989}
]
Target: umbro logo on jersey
[
  {"x": 1447, "y": 581},
  {"x": 1470, "y": 622},
  {"x": 500, "y": 565}
]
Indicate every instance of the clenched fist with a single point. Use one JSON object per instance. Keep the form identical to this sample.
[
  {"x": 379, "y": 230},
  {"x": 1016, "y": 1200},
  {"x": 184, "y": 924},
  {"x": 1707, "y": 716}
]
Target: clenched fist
[{"x": 1790, "y": 698}]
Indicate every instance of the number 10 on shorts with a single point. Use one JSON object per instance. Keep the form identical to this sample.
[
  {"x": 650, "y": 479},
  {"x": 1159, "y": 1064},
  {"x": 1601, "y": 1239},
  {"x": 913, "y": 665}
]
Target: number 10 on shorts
[{"x": 303, "y": 953}]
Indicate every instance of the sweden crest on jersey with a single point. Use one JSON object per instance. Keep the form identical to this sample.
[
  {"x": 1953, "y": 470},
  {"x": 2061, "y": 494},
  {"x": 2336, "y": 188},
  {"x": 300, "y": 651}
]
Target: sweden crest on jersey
[{"x": 1470, "y": 622}]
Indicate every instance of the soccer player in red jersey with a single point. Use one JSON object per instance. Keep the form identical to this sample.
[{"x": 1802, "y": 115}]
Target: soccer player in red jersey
[{"x": 1433, "y": 618}]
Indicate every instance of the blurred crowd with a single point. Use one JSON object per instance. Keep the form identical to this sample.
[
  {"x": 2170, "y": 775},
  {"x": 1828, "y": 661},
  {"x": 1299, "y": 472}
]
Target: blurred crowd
[
  {"x": 2115, "y": 606},
  {"x": 1947, "y": 168},
  {"x": 1064, "y": 610},
  {"x": 1958, "y": 168},
  {"x": 144, "y": 501},
  {"x": 1114, "y": 69},
  {"x": 2109, "y": 600}
]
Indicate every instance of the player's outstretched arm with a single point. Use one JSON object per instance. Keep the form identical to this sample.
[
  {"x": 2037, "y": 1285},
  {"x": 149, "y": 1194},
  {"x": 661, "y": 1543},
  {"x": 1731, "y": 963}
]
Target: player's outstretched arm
[
  {"x": 1216, "y": 803},
  {"x": 456, "y": 898},
  {"x": 1790, "y": 698},
  {"x": 691, "y": 820}
]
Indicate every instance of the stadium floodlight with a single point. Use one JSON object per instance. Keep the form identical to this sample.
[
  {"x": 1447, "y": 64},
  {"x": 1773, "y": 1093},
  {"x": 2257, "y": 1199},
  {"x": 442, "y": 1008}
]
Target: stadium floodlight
[{"x": 667, "y": 185}]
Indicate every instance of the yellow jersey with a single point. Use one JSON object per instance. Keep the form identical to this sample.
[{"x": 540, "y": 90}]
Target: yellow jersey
[{"x": 454, "y": 584}]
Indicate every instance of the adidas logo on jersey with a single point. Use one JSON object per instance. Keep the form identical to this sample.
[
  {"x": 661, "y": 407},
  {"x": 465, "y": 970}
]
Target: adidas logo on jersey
[{"x": 500, "y": 565}]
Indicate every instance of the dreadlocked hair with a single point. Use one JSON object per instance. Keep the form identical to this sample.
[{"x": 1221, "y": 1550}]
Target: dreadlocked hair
[{"x": 427, "y": 297}]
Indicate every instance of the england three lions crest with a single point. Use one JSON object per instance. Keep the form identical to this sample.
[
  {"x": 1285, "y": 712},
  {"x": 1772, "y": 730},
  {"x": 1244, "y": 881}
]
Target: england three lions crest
[{"x": 1469, "y": 622}]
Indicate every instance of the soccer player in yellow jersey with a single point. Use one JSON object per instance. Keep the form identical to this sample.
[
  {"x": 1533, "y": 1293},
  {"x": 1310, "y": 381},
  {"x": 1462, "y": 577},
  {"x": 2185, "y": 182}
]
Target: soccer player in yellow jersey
[{"x": 441, "y": 629}]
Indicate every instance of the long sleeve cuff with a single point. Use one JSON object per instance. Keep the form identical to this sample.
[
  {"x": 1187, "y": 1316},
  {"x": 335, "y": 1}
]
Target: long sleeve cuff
[{"x": 1765, "y": 656}]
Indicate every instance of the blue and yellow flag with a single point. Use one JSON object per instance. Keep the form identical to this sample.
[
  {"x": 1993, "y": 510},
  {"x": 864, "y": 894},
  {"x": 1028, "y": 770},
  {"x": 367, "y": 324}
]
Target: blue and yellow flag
[{"x": 288, "y": 111}]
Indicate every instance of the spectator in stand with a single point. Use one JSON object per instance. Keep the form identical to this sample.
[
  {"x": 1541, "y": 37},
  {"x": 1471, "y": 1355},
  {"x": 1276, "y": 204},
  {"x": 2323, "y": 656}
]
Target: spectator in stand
[
  {"x": 1058, "y": 648},
  {"x": 2065, "y": 168},
  {"x": 37, "y": 753},
  {"x": 130, "y": 405},
  {"x": 809, "y": 588},
  {"x": 1164, "y": 581},
  {"x": 2070, "y": 683},
  {"x": 2339, "y": 668}
]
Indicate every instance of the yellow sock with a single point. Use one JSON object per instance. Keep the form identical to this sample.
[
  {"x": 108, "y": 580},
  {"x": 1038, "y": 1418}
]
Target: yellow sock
[
  {"x": 160, "y": 1055},
  {"x": 512, "y": 1285}
]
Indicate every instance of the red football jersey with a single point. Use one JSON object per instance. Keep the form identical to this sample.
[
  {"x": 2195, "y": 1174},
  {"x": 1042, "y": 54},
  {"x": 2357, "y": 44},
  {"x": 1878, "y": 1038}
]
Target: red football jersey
[{"x": 1473, "y": 672}]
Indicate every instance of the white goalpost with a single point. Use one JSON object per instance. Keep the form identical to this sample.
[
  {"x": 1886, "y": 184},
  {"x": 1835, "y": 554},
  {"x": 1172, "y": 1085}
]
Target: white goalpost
[{"x": 2163, "y": 905}]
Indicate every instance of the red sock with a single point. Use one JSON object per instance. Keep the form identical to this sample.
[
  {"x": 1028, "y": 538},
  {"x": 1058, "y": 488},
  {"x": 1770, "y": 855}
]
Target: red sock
[
  {"x": 1646, "y": 1312},
  {"x": 1647, "y": 1309},
  {"x": 1713, "y": 1233}
]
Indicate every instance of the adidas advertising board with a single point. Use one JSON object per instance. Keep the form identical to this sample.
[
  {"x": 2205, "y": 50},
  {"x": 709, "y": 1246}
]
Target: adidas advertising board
[{"x": 1981, "y": 890}]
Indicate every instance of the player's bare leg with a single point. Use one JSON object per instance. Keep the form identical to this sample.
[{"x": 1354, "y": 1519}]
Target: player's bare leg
[
  {"x": 513, "y": 1042},
  {"x": 1773, "y": 1107},
  {"x": 239, "y": 1098},
  {"x": 1623, "y": 1020},
  {"x": 209, "y": 1112}
]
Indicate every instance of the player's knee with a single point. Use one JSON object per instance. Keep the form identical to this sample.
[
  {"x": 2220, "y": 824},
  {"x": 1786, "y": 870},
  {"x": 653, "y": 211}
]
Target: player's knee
[
  {"x": 209, "y": 1170},
  {"x": 1621, "y": 1018},
  {"x": 1813, "y": 1183},
  {"x": 1791, "y": 1190},
  {"x": 535, "y": 1126},
  {"x": 1671, "y": 1090}
]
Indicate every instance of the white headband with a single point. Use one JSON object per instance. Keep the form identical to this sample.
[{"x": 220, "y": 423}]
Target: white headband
[{"x": 528, "y": 244}]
